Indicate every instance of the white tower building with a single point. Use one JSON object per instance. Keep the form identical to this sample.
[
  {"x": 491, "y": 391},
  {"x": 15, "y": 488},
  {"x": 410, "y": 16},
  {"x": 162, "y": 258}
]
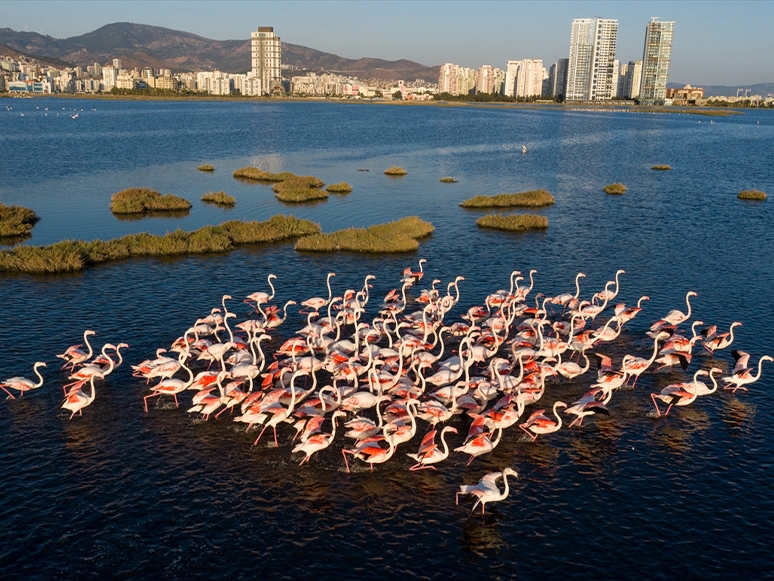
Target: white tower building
[{"x": 267, "y": 58}]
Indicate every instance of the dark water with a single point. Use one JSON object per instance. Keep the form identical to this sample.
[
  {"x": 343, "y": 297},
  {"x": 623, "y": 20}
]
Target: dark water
[{"x": 120, "y": 493}]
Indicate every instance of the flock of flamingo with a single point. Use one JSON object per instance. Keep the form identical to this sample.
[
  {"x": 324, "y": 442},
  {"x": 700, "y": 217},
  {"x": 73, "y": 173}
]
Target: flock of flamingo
[{"x": 383, "y": 376}]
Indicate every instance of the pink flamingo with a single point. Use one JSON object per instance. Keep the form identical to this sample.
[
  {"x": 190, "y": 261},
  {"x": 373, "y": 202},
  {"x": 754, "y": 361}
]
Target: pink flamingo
[{"x": 22, "y": 384}]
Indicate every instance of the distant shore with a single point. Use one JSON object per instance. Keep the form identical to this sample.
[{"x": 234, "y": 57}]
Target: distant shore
[{"x": 601, "y": 106}]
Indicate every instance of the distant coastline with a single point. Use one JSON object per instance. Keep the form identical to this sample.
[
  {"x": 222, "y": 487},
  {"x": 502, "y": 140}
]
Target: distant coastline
[{"x": 601, "y": 106}]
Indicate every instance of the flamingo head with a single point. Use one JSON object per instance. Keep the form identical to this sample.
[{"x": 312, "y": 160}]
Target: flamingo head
[
  {"x": 89, "y": 332},
  {"x": 510, "y": 472}
]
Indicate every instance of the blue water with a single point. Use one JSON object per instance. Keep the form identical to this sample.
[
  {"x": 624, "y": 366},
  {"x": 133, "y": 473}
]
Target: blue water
[{"x": 121, "y": 493}]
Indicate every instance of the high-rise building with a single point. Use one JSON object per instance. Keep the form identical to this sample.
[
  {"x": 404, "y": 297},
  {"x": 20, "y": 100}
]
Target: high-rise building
[
  {"x": 485, "y": 79},
  {"x": 616, "y": 78},
  {"x": 592, "y": 52},
  {"x": 267, "y": 58},
  {"x": 558, "y": 76},
  {"x": 447, "y": 79},
  {"x": 109, "y": 75},
  {"x": 655, "y": 61},
  {"x": 529, "y": 81},
  {"x": 511, "y": 72},
  {"x": 117, "y": 64},
  {"x": 633, "y": 80}
]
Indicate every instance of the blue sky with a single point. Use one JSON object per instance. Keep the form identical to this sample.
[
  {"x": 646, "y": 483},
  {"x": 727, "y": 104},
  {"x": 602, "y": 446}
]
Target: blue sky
[{"x": 715, "y": 42}]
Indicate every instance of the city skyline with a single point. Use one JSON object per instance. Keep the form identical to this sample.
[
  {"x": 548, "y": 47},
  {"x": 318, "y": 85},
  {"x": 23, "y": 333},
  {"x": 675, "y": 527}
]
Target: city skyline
[{"x": 721, "y": 44}]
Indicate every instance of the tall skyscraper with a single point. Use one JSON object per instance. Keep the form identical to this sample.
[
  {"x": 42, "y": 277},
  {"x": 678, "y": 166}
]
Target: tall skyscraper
[
  {"x": 267, "y": 58},
  {"x": 511, "y": 72},
  {"x": 592, "y": 54},
  {"x": 529, "y": 81},
  {"x": 655, "y": 61},
  {"x": 633, "y": 79},
  {"x": 558, "y": 76},
  {"x": 117, "y": 64}
]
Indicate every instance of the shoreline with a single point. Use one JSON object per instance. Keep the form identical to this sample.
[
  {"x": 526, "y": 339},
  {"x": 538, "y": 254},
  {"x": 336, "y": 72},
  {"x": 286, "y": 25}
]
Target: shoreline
[{"x": 600, "y": 106}]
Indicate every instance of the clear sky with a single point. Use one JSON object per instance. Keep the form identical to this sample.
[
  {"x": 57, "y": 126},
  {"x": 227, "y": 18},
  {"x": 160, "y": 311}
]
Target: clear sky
[{"x": 716, "y": 43}]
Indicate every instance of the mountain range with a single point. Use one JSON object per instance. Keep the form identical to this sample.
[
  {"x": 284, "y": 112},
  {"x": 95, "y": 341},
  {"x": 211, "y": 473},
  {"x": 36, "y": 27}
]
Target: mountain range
[{"x": 142, "y": 45}]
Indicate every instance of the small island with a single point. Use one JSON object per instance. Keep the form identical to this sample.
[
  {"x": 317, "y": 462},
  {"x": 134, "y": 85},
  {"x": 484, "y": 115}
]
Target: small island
[
  {"x": 254, "y": 173},
  {"x": 615, "y": 189},
  {"x": 340, "y": 188},
  {"x": 74, "y": 255},
  {"x": 448, "y": 180},
  {"x": 219, "y": 199},
  {"x": 513, "y": 223},
  {"x": 145, "y": 201},
  {"x": 395, "y": 171},
  {"x": 751, "y": 195},
  {"x": 299, "y": 189},
  {"x": 399, "y": 236},
  {"x": 662, "y": 167},
  {"x": 206, "y": 167},
  {"x": 533, "y": 199},
  {"x": 16, "y": 221}
]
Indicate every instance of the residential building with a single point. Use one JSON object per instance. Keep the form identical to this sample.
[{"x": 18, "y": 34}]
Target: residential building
[
  {"x": 485, "y": 79},
  {"x": 529, "y": 80},
  {"x": 267, "y": 58},
  {"x": 511, "y": 72},
  {"x": 688, "y": 95},
  {"x": 117, "y": 64},
  {"x": 633, "y": 79},
  {"x": 591, "y": 64},
  {"x": 109, "y": 75},
  {"x": 124, "y": 81},
  {"x": 558, "y": 77},
  {"x": 655, "y": 61},
  {"x": 616, "y": 78}
]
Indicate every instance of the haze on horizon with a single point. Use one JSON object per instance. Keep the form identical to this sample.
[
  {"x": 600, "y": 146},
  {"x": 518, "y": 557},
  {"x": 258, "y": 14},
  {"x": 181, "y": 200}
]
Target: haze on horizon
[{"x": 716, "y": 43}]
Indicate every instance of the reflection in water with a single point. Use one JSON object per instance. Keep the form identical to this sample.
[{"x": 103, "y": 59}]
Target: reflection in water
[
  {"x": 480, "y": 534},
  {"x": 156, "y": 214},
  {"x": 673, "y": 440},
  {"x": 594, "y": 445},
  {"x": 738, "y": 416}
]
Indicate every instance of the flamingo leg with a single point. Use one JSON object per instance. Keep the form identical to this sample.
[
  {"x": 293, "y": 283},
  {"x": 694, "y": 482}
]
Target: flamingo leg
[
  {"x": 344, "y": 453},
  {"x": 653, "y": 397},
  {"x": 471, "y": 460},
  {"x": 636, "y": 377},
  {"x": 259, "y": 435},
  {"x": 10, "y": 395},
  {"x": 667, "y": 411},
  {"x": 177, "y": 405},
  {"x": 275, "y": 436}
]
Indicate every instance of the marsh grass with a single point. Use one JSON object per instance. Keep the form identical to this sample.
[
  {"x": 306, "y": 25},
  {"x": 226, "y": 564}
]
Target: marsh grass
[
  {"x": 395, "y": 171},
  {"x": 514, "y": 222},
  {"x": 340, "y": 188},
  {"x": 299, "y": 189},
  {"x": 219, "y": 198},
  {"x": 206, "y": 167},
  {"x": 71, "y": 255},
  {"x": 662, "y": 167},
  {"x": 615, "y": 189},
  {"x": 253, "y": 173},
  {"x": 448, "y": 180},
  {"x": 533, "y": 199},
  {"x": 16, "y": 221},
  {"x": 399, "y": 236},
  {"x": 144, "y": 200},
  {"x": 751, "y": 195}
]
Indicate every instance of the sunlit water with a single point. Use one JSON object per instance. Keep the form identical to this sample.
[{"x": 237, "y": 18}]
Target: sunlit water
[{"x": 120, "y": 493}]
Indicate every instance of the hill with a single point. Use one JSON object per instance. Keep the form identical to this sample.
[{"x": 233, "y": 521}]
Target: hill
[
  {"x": 45, "y": 61},
  {"x": 725, "y": 90},
  {"x": 141, "y": 45}
]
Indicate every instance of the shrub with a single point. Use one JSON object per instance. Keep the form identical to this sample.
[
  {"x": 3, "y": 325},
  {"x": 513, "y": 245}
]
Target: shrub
[
  {"x": 615, "y": 189},
  {"x": 751, "y": 195},
  {"x": 16, "y": 220},
  {"x": 448, "y": 180},
  {"x": 513, "y": 223},
  {"x": 398, "y": 236},
  {"x": 662, "y": 167},
  {"x": 340, "y": 188},
  {"x": 533, "y": 198},
  {"x": 144, "y": 200},
  {"x": 395, "y": 171},
  {"x": 206, "y": 167},
  {"x": 73, "y": 255},
  {"x": 219, "y": 198}
]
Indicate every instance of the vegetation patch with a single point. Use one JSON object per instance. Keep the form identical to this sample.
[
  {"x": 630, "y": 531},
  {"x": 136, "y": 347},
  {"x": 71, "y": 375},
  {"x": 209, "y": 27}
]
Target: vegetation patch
[
  {"x": 253, "y": 173},
  {"x": 144, "y": 200},
  {"x": 662, "y": 167},
  {"x": 615, "y": 189},
  {"x": 340, "y": 188},
  {"x": 219, "y": 198},
  {"x": 72, "y": 255},
  {"x": 751, "y": 195},
  {"x": 362, "y": 169},
  {"x": 533, "y": 199},
  {"x": 206, "y": 167},
  {"x": 395, "y": 171},
  {"x": 513, "y": 223},
  {"x": 399, "y": 236},
  {"x": 448, "y": 180},
  {"x": 299, "y": 189},
  {"x": 16, "y": 221}
]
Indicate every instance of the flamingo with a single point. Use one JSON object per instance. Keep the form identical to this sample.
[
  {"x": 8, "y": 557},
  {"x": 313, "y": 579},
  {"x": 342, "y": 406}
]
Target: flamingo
[
  {"x": 720, "y": 341},
  {"x": 318, "y": 442},
  {"x": 679, "y": 394},
  {"x": 74, "y": 355},
  {"x": 77, "y": 399},
  {"x": 371, "y": 452},
  {"x": 675, "y": 317},
  {"x": 480, "y": 445},
  {"x": 171, "y": 386},
  {"x": 22, "y": 384},
  {"x": 279, "y": 412},
  {"x": 538, "y": 423},
  {"x": 636, "y": 366},
  {"x": 486, "y": 490},
  {"x": 742, "y": 375},
  {"x": 316, "y": 303},
  {"x": 429, "y": 453}
]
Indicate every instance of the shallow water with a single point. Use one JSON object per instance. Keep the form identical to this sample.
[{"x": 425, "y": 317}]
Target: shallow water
[{"x": 119, "y": 493}]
